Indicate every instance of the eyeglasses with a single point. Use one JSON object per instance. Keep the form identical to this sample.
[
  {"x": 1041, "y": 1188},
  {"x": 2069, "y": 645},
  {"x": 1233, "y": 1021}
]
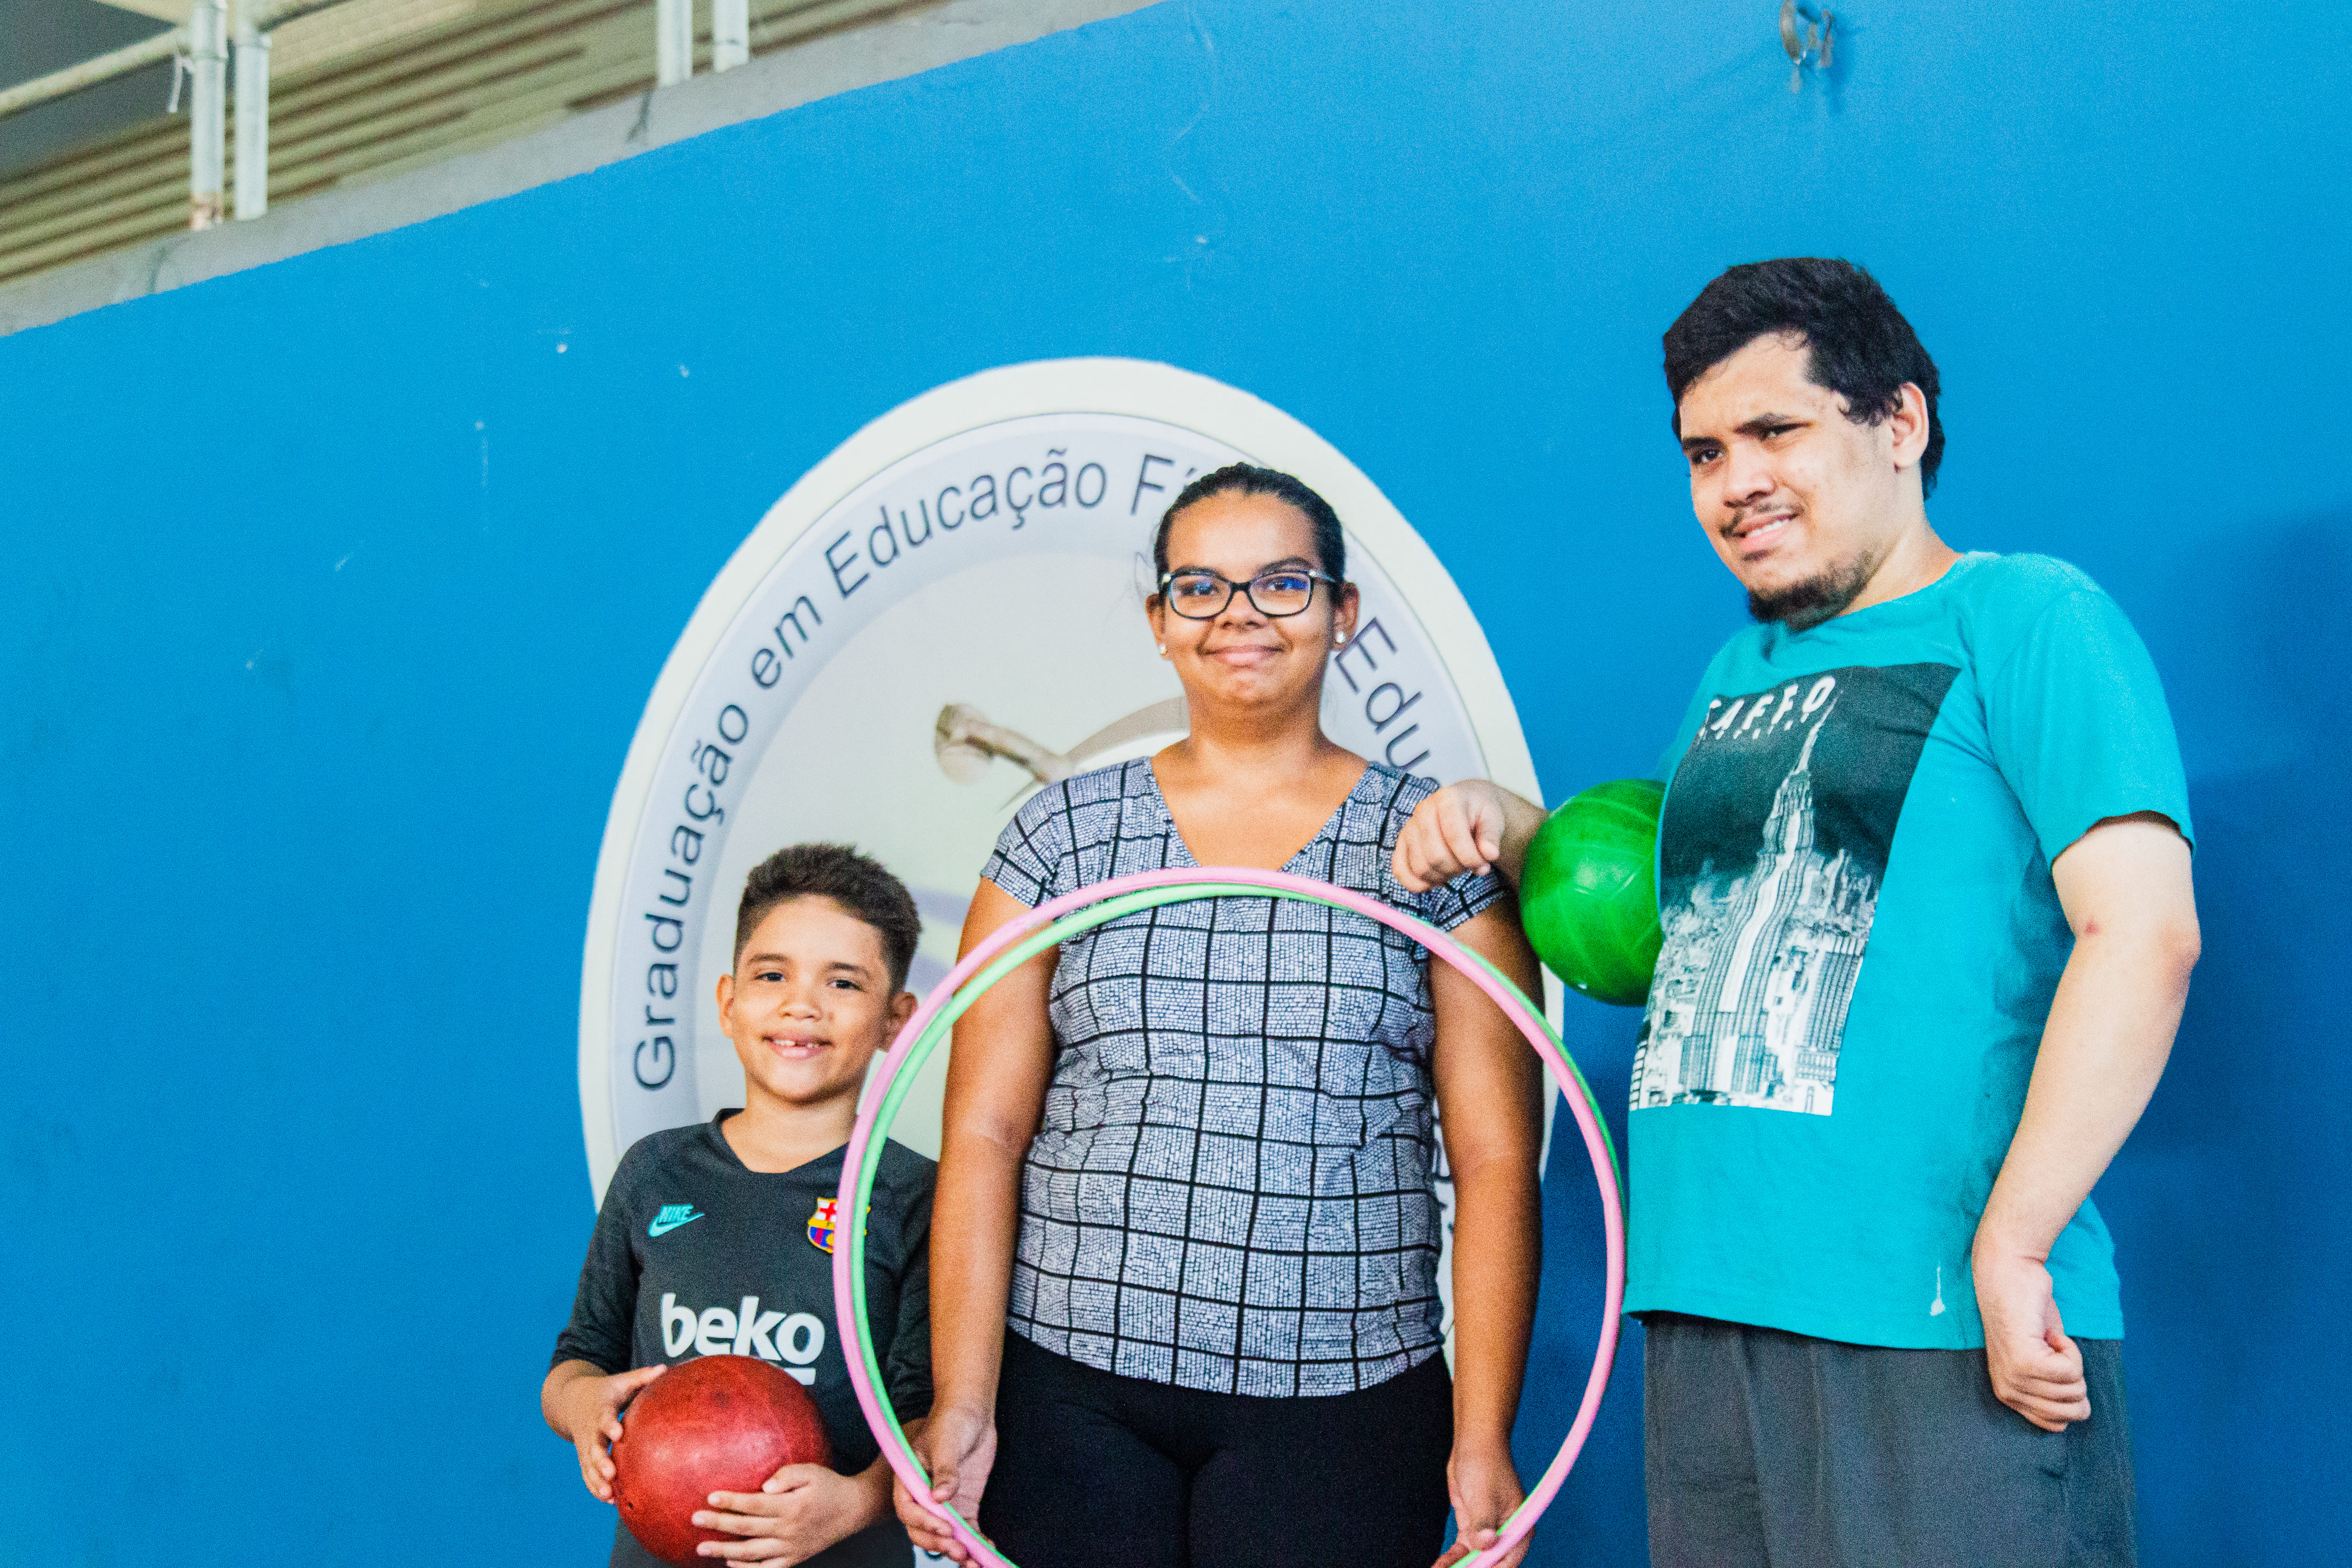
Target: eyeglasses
[{"x": 1204, "y": 595}]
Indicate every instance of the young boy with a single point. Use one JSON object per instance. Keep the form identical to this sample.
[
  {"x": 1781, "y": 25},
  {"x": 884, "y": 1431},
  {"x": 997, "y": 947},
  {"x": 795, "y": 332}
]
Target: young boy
[{"x": 717, "y": 1238}]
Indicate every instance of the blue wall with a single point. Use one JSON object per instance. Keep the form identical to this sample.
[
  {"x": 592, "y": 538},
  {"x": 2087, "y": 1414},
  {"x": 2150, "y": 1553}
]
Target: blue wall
[{"x": 304, "y": 761}]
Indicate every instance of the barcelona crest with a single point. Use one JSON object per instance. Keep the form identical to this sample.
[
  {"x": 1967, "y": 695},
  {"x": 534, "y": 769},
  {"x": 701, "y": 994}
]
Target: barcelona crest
[{"x": 820, "y": 1226}]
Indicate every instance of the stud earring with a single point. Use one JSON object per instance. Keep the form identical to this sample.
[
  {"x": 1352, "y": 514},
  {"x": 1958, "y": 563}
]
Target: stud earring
[{"x": 1164, "y": 650}]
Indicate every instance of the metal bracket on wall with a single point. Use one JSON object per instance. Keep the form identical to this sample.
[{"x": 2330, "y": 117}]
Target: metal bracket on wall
[{"x": 1808, "y": 47}]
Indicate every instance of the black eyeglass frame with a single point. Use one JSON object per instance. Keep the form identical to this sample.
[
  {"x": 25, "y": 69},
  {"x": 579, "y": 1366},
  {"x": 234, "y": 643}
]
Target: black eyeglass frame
[{"x": 1311, "y": 575}]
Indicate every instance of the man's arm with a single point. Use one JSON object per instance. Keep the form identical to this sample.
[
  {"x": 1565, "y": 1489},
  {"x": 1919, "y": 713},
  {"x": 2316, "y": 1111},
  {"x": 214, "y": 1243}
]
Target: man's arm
[
  {"x": 1474, "y": 826},
  {"x": 2126, "y": 891}
]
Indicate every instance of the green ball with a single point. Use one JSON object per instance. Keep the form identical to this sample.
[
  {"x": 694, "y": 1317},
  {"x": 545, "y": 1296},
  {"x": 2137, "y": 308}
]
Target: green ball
[{"x": 1590, "y": 894}]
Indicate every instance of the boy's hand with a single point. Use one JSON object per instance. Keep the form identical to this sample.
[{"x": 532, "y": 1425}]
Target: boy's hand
[
  {"x": 592, "y": 1408},
  {"x": 796, "y": 1513}
]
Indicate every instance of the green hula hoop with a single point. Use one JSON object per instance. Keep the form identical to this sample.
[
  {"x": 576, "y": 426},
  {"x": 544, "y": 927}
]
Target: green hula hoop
[{"x": 1077, "y": 921}]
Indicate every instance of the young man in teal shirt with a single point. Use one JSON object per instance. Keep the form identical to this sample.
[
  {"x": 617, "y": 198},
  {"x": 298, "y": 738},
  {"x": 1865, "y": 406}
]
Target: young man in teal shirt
[{"x": 1924, "y": 874}]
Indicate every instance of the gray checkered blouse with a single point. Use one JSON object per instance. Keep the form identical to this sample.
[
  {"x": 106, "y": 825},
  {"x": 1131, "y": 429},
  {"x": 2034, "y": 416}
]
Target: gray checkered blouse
[{"x": 1231, "y": 1186}]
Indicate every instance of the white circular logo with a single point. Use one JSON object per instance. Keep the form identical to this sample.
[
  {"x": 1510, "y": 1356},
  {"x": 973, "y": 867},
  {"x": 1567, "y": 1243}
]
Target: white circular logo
[{"x": 940, "y": 617}]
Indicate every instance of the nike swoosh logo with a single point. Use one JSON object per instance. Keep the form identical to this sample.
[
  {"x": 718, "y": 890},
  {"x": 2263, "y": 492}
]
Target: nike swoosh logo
[{"x": 663, "y": 1227}]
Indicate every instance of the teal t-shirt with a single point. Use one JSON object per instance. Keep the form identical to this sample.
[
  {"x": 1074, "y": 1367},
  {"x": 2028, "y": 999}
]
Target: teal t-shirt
[{"x": 1862, "y": 943}]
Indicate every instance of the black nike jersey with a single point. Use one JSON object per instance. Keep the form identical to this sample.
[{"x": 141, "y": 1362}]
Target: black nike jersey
[{"x": 695, "y": 1255}]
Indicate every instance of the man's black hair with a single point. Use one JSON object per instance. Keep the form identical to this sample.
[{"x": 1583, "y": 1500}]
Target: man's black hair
[
  {"x": 1863, "y": 349},
  {"x": 859, "y": 884},
  {"x": 1243, "y": 478}
]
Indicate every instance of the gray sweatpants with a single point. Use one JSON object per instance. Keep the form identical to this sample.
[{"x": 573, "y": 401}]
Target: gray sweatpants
[{"x": 1768, "y": 1449}]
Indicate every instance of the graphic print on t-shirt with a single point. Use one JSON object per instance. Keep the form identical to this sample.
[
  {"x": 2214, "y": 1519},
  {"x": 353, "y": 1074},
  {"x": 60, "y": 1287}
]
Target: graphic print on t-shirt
[{"x": 1770, "y": 857}]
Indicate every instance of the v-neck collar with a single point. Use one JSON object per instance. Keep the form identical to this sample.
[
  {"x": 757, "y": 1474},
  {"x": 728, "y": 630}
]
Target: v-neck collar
[
  {"x": 1181, "y": 853},
  {"x": 824, "y": 1168}
]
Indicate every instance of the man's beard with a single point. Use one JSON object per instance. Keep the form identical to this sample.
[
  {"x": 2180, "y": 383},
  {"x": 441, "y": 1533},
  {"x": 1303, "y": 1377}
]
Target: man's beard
[{"x": 1803, "y": 605}]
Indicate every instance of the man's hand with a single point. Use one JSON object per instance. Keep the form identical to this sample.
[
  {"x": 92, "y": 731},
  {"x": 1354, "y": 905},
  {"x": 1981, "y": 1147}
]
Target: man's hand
[
  {"x": 958, "y": 1448},
  {"x": 590, "y": 1408},
  {"x": 2036, "y": 1369},
  {"x": 2125, "y": 886},
  {"x": 1474, "y": 826},
  {"x": 796, "y": 1513},
  {"x": 1485, "y": 1487}
]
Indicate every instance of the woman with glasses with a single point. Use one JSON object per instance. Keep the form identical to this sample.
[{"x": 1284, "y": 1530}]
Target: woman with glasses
[{"x": 1188, "y": 1156}]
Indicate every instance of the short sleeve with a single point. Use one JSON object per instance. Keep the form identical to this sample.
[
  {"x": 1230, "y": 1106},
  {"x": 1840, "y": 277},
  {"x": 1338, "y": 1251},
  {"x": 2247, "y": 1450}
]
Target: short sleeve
[
  {"x": 1033, "y": 846},
  {"x": 2077, "y": 724},
  {"x": 602, "y": 1330},
  {"x": 907, "y": 1370},
  {"x": 1694, "y": 715},
  {"x": 1464, "y": 899},
  {"x": 1672, "y": 757}
]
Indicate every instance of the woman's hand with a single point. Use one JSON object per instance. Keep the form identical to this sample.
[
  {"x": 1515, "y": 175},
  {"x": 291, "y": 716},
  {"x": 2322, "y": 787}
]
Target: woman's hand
[
  {"x": 958, "y": 1448},
  {"x": 585, "y": 1406},
  {"x": 1485, "y": 1487},
  {"x": 796, "y": 1513}
]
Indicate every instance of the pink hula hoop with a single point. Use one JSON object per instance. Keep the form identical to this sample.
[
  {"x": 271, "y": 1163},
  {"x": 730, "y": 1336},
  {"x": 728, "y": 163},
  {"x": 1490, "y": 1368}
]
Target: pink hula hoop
[{"x": 1596, "y": 1147}]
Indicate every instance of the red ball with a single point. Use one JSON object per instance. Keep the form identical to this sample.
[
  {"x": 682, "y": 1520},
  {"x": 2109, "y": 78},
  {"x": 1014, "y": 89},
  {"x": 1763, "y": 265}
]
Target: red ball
[{"x": 716, "y": 1424}]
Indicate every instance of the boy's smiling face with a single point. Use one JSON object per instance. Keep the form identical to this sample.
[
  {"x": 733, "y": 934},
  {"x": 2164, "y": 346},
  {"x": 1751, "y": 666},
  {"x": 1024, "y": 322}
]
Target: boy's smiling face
[{"x": 810, "y": 1003}]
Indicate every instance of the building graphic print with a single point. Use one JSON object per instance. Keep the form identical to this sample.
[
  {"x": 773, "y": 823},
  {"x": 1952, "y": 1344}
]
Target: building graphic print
[{"x": 1766, "y": 923}]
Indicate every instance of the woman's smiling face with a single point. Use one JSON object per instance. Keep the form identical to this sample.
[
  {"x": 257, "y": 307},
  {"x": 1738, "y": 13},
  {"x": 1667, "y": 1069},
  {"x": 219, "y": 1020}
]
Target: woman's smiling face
[{"x": 1243, "y": 657}]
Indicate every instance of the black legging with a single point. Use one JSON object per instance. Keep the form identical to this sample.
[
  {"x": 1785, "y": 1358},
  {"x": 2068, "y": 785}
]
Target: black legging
[{"x": 1094, "y": 1470}]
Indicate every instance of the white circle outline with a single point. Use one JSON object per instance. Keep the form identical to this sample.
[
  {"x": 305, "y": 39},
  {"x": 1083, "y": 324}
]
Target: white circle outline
[{"x": 1144, "y": 389}]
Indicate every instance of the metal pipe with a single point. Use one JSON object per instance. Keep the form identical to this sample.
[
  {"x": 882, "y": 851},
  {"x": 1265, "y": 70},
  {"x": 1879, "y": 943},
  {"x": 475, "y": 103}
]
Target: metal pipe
[
  {"x": 138, "y": 57},
  {"x": 673, "y": 41},
  {"x": 207, "y": 109},
  {"x": 270, "y": 18},
  {"x": 90, "y": 72},
  {"x": 730, "y": 34},
  {"x": 252, "y": 111}
]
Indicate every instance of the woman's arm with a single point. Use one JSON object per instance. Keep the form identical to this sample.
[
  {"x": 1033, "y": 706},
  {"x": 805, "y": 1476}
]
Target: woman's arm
[
  {"x": 1490, "y": 1109},
  {"x": 1003, "y": 1059}
]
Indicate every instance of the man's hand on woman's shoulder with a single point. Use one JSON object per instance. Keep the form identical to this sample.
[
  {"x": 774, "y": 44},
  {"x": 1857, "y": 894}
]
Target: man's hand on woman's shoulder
[{"x": 1474, "y": 826}]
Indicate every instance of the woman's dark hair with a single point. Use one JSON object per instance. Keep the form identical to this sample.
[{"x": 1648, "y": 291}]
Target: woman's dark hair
[
  {"x": 1863, "y": 349},
  {"x": 1243, "y": 480},
  {"x": 835, "y": 872}
]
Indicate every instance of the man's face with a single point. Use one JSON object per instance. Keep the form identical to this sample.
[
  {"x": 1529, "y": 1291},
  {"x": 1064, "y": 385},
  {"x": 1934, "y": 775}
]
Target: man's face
[{"x": 1802, "y": 503}]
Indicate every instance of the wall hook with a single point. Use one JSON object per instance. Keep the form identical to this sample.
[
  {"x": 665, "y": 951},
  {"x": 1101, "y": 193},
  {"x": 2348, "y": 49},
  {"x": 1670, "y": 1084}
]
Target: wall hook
[{"x": 1809, "y": 48}]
